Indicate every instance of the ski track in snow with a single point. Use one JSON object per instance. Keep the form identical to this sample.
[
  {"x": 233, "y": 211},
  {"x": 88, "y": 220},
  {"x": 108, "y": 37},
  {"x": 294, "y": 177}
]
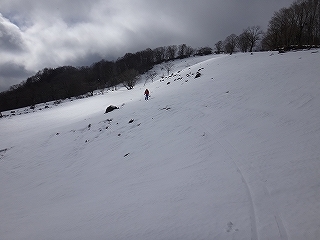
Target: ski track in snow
[
  {"x": 254, "y": 233},
  {"x": 234, "y": 154},
  {"x": 231, "y": 152},
  {"x": 235, "y": 157}
]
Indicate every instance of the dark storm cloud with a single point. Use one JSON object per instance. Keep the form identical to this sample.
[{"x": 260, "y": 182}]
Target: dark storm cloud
[
  {"x": 37, "y": 34},
  {"x": 11, "y": 73},
  {"x": 12, "y": 70}
]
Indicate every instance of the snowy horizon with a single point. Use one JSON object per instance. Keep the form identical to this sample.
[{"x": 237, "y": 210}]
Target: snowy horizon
[{"x": 232, "y": 154}]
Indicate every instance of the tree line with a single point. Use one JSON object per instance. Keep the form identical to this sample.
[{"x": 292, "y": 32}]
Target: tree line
[
  {"x": 245, "y": 42},
  {"x": 295, "y": 27},
  {"x": 52, "y": 84}
]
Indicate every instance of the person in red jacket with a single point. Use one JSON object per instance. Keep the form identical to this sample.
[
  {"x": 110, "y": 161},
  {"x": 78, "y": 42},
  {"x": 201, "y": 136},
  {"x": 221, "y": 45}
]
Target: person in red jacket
[{"x": 146, "y": 93}]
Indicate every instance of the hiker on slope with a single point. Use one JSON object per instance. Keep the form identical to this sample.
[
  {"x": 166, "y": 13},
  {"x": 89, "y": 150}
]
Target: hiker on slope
[{"x": 146, "y": 93}]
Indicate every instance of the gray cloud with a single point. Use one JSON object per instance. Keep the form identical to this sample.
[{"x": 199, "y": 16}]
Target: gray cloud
[
  {"x": 10, "y": 37},
  {"x": 12, "y": 73},
  {"x": 35, "y": 34}
]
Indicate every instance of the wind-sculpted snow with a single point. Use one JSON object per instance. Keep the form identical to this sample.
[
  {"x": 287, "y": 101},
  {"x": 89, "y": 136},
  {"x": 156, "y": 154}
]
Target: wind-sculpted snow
[{"x": 227, "y": 147}]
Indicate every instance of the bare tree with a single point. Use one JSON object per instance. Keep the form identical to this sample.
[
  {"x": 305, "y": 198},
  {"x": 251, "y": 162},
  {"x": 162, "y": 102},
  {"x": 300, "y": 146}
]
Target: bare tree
[
  {"x": 168, "y": 66},
  {"x": 300, "y": 16},
  {"x": 150, "y": 75},
  {"x": 189, "y": 51},
  {"x": 230, "y": 43},
  {"x": 171, "y": 52},
  {"x": 129, "y": 78},
  {"x": 313, "y": 22},
  {"x": 254, "y": 35},
  {"x": 243, "y": 41},
  {"x": 219, "y": 47},
  {"x": 182, "y": 51},
  {"x": 159, "y": 54}
]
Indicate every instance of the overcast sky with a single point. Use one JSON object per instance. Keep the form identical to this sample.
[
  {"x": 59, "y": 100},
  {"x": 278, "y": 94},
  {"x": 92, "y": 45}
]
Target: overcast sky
[{"x": 35, "y": 34}]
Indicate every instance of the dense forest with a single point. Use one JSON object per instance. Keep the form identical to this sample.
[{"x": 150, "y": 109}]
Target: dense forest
[{"x": 295, "y": 27}]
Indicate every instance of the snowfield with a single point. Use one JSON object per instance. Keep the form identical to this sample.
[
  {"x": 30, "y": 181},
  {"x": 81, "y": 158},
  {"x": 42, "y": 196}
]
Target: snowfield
[{"x": 232, "y": 154}]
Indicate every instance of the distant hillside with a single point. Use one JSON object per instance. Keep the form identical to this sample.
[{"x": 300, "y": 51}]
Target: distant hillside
[{"x": 65, "y": 82}]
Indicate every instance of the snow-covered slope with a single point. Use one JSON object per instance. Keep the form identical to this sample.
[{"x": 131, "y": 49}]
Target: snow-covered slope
[{"x": 232, "y": 154}]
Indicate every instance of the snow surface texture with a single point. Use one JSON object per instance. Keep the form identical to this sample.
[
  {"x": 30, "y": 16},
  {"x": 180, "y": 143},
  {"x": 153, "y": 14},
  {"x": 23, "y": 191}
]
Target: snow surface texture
[{"x": 232, "y": 154}]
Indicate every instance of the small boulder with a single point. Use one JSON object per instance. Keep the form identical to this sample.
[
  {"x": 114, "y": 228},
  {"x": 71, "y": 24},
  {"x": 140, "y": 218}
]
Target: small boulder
[{"x": 111, "y": 108}]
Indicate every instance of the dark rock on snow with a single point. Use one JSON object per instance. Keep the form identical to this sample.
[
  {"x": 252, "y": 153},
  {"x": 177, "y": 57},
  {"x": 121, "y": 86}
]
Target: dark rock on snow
[{"x": 111, "y": 108}]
